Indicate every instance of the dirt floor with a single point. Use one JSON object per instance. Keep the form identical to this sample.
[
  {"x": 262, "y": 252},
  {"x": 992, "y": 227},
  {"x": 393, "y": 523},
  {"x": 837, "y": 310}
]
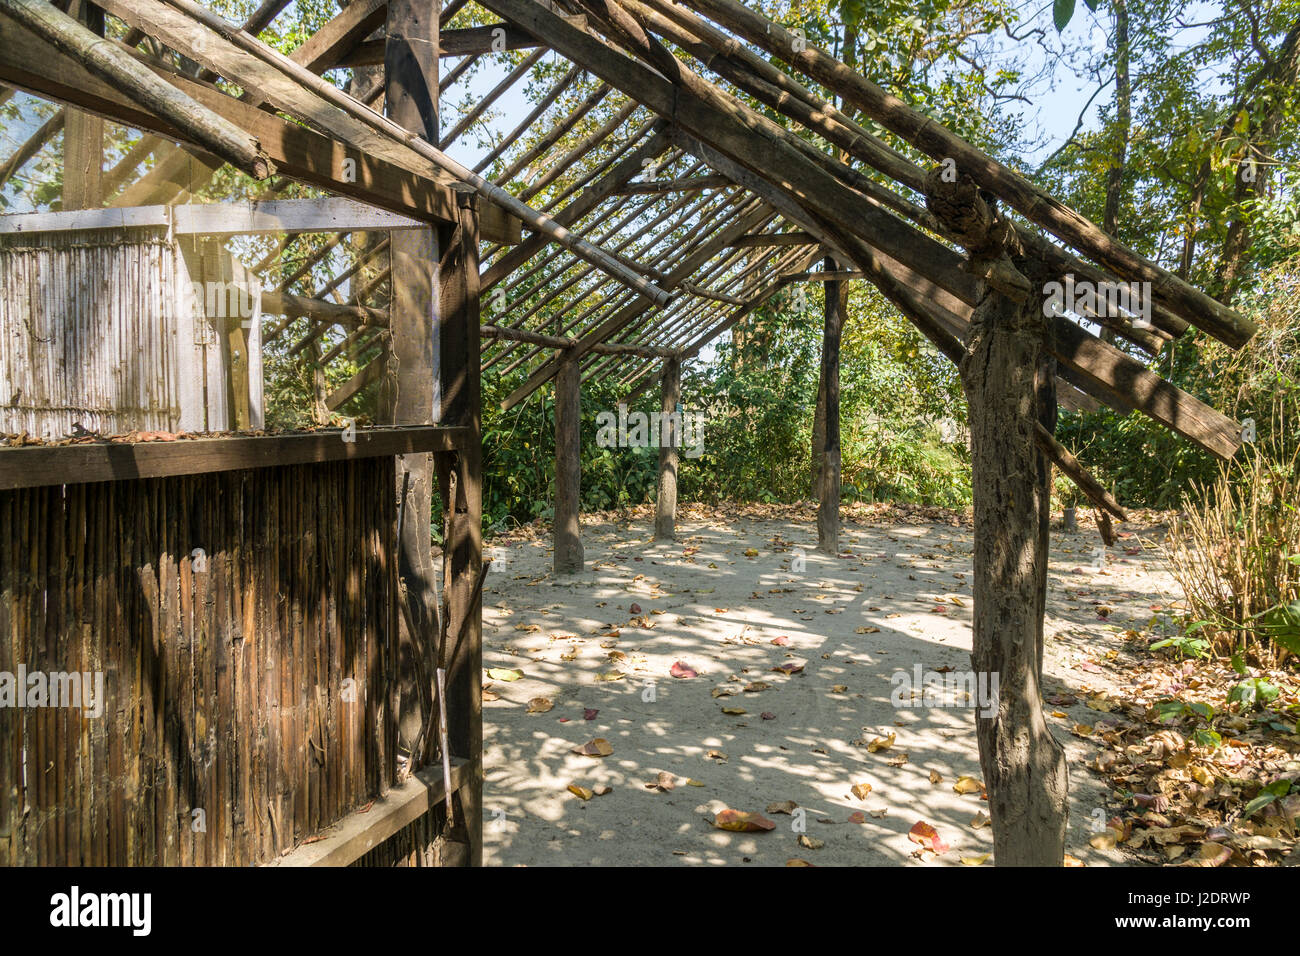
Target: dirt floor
[{"x": 740, "y": 593}]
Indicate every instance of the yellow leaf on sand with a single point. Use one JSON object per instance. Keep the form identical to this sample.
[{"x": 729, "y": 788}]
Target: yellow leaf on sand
[
  {"x": 866, "y": 630},
  {"x": 860, "y": 790},
  {"x": 974, "y": 860},
  {"x": 611, "y": 675},
  {"x": 735, "y": 711},
  {"x": 539, "y": 705},
  {"x": 881, "y": 743},
  {"x": 967, "y": 785},
  {"x": 810, "y": 843},
  {"x": 599, "y": 747},
  {"x": 506, "y": 674},
  {"x": 581, "y": 792},
  {"x": 751, "y": 553},
  {"x": 839, "y": 688},
  {"x": 692, "y": 782},
  {"x": 980, "y": 821},
  {"x": 1201, "y": 775},
  {"x": 795, "y": 861},
  {"x": 935, "y": 777}
]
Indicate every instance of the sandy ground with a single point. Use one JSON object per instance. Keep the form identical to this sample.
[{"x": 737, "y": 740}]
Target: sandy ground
[{"x": 717, "y": 610}]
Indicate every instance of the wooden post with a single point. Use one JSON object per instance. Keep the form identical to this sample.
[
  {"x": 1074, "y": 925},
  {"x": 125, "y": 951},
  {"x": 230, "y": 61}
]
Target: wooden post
[
  {"x": 568, "y": 472},
  {"x": 1024, "y": 767},
  {"x": 1005, "y": 371},
  {"x": 670, "y": 441},
  {"x": 408, "y": 393},
  {"x": 828, "y": 512},
  {"x": 83, "y": 135},
  {"x": 1045, "y": 389},
  {"x": 461, "y": 400}
]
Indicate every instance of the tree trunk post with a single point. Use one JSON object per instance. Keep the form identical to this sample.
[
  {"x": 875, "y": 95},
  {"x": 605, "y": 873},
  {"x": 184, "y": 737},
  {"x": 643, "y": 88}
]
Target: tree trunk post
[
  {"x": 828, "y": 512},
  {"x": 568, "y": 472},
  {"x": 1005, "y": 373},
  {"x": 1024, "y": 767},
  {"x": 670, "y": 440}
]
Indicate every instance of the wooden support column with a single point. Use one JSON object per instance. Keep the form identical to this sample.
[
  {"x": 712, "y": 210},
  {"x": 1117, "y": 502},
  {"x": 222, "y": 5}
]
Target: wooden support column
[
  {"x": 670, "y": 441},
  {"x": 461, "y": 403},
  {"x": 1024, "y": 767},
  {"x": 1004, "y": 371},
  {"x": 828, "y": 511},
  {"x": 568, "y": 467},
  {"x": 83, "y": 135},
  {"x": 1045, "y": 388},
  {"x": 408, "y": 391}
]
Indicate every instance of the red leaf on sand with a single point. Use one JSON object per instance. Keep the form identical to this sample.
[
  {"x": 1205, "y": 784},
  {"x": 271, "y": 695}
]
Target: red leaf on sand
[
  {"x": 589, "y": 713},
  {"x": 742, "y": 822},
  {"x": 780, "y": 641},
  {"x": 635, "y": 608},
  {"x": 927, "y": 836},
  {"x": 789, "y": 667},
  {"x": 682, "y": 670}
]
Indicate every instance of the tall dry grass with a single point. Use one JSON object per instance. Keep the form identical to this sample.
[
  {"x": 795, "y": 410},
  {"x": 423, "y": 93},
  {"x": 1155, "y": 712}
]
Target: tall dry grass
[{"x": 1229, "y": 552}]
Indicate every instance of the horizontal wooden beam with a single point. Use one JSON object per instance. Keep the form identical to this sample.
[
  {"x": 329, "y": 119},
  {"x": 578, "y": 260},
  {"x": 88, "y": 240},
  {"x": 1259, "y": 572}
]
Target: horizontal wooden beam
[
  {"x": 36, "y": 67},
  {"x": 294, "y": 306},
  {"x": 362, "y": 830},
  {"x": 775, "y": 239},
  {"x": 332, "y": 214},
  {"x": 655, "y": 187},
  {"x": 472, "y": 41},
  {"x": 32, "y": 466}
]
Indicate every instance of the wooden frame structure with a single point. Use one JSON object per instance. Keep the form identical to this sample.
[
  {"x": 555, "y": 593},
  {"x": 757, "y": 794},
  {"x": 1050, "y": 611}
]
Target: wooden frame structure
[{"x": 662, "y": 208}]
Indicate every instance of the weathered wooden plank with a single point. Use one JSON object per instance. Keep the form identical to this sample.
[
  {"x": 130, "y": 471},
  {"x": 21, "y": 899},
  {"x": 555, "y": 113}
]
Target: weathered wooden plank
[
  {"x": 37, "y": 465},
  {"x": 361, "y": 831}
]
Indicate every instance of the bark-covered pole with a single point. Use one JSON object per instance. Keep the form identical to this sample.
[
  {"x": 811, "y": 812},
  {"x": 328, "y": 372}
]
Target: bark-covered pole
[
  {"x": 1006, "y": 351},
  {"x": 670, "y": 440},
  {"x": 568, "y": 470},
  {"x": 828, "y": 511}
]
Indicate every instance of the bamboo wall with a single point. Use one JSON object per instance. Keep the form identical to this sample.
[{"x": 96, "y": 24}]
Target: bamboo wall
[
  {"x": 101, "y": 328},
  {"x": 224, "y": 688}
]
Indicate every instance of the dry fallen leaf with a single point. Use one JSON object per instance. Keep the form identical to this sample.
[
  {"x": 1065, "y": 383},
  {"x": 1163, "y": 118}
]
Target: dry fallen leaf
[
  {"x": 539, "y": 705},
  {"x": 839, "y": 688},
  {"x": 980, "y": 821},
  {"x": 682, "y": 670},
  {"x": 734, "y": 711},
  {"x": 810, "y": 843},
  {"x": 599, "y": 747},
  {"x": 968, "y": 785},
  {"x": 935, "y": 777},
  {"x": 741, "y": 822},
  {"x": 506, "y": 674},
  {"x": 881, "y": 743},
  {"x": 860, "y": 790},
  {"x": 611, "y": 675},
  {"x": 926, "y": 835},
  {"x": 857, "y": 816},
  {"x": 665, "y": 781},
  {"x": 581, "y": 792},
  {"x": 974, "y": 860},
  {"x": 785, "y": 806}
]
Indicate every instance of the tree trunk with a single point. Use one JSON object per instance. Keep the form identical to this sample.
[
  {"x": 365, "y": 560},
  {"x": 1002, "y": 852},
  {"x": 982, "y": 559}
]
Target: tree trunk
[
  {"x": 818, "y": 448},
  {"x": 669, "y": 443},
  {"x": 1024, "y": 767},
  {"x": 828, "y": 512},
  {"x": 568, "y": 474}
]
